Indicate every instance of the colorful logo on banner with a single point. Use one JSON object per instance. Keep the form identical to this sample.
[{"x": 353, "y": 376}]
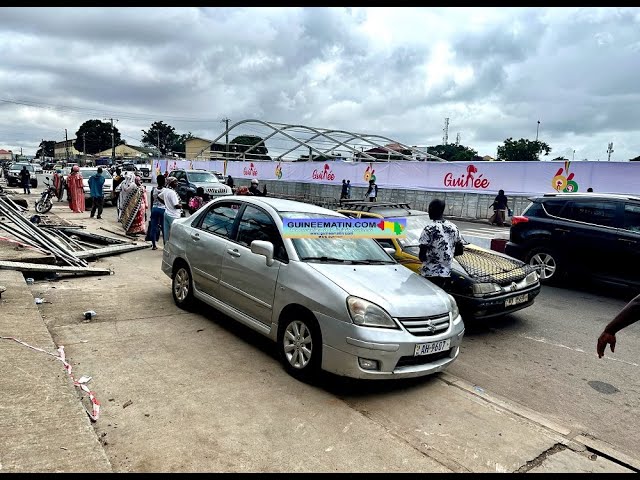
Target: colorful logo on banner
[
  {"x": 325, "y": 174},
  {"x": 369, "y": 174},
  {"x": 250, "y": 171},
  {"x": 278, "y": 171},
  {"x": 467, "y": 180},
  {"x": 343, "y": 228},
  {"x": 564, "y": 183}
]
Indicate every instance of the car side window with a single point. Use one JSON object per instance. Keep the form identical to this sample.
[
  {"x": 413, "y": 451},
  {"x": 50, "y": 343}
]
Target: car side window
[
  {"x": 220, "y": 218},
  {"x": 554, "y": 207},
  {"x": 592, "y": 211},
  {"x": 256, "y": 224},
  {"x": 631, "y": 219},
  {"x": 386, "y": 243},
  {"x": 178, "y": 175}
]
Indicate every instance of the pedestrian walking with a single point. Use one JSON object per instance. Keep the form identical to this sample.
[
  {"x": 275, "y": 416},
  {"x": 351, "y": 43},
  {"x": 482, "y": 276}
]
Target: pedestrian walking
[
  {"x": 59, "y": 184},
  {"x": 25, "y": 180},
  {"x": 372, "y": 192},
  {"x": 628, "y": 315},
  {"x": 75, "y": 189},
  {"x": 439, "y": 242},
  {"x": 348, "y": 189},
  {"x": 117, "y": 180},
  {"x": 344, "y": 191},
  {"x": 172, "y": 205},
  {"x": 230, "y": 182},
  {"x": 96, "y": 184},
  {"x": 157, "y": 214},
  {"x": 500, "y": 206}
]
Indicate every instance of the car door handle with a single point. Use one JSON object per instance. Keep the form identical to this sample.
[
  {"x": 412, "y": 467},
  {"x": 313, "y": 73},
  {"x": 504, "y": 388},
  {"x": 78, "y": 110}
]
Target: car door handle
[
  {"x": 234, "y": 252},
  {"x": 195, "y": 236}
]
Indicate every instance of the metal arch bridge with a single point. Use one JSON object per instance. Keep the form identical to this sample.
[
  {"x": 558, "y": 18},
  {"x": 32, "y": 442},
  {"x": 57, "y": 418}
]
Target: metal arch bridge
[{"x": 283, "y": 129}]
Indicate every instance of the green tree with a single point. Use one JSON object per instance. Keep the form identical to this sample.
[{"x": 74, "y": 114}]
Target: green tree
[
  {"x": 242, "y": 143},
  {"x": 49, "y": 149},
  {"x": 160, "y": 135},
  {"x": 560, "y": 159},
  {"x": 522, "y": 150},
  {"x": 97, "y": 136},
  {"x": 453, "y": 153}
]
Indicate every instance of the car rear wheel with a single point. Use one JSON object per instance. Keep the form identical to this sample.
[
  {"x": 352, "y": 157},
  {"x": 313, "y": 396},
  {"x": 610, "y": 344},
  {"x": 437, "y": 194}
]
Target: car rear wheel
[
  {"x": 182, "y": 286},
  {"x": 300, "y": 345},
  {"x": 547, "y": 263}
]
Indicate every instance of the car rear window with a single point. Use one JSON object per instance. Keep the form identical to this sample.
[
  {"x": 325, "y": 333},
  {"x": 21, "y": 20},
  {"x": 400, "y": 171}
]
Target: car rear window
[{"x": 592, "y": 211}]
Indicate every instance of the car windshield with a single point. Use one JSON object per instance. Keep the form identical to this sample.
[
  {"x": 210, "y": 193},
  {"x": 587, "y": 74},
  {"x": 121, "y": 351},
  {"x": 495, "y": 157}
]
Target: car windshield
[
  {"x": 337, "y": 250},
  {"x": 88, "y": 172},
  {"x": 415, "y": 225},
  {"x": 203, "y": 177},
  {"x": 20, "y": 165}
]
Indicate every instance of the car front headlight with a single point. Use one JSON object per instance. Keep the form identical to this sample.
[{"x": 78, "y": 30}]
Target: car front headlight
[
  {"x": 455, "y": 312},
  {"x": 367, "y": 314},
  {"x": 531, "y": 278},
  {"x": 484, "y": 288}
]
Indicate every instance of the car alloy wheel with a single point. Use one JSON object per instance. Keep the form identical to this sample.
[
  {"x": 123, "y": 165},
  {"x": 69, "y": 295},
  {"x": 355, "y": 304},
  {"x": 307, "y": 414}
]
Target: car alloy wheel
[
  {"x": 547, "y": 263},
  {"x": 182, "y": 287},
  {"x": 300, "y": 345}
]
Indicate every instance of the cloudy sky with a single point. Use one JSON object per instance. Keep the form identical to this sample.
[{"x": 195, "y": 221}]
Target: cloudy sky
[{"x": 396, "y": 72}]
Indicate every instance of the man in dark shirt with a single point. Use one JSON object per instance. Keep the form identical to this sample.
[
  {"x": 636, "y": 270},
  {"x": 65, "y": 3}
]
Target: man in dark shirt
[{"x": 25, "y": 179}]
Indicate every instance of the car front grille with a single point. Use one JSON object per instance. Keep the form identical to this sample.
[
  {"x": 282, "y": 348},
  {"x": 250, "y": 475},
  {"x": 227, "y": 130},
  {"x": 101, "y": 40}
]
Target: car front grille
[
  {"x": 411, "y": 361},
  {"x": 426, "y": 326}
]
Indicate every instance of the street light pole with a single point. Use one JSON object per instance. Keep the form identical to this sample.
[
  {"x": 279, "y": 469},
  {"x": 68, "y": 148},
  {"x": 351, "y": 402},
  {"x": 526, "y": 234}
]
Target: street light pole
[
  {"x": 574, "y": 156},
  {"x": 537, "y": 130}
]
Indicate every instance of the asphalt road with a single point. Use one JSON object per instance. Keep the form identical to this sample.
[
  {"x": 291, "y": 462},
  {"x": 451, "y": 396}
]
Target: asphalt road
[{"x": 544, "y": 357}]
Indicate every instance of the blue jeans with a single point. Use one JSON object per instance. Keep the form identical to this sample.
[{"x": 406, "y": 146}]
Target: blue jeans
[
  {"x": 156, "y": 222},
  {"x": 168, "y": 220}
]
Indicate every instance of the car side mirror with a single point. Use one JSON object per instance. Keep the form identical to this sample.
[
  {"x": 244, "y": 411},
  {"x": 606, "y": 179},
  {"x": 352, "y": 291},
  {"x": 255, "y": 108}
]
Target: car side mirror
[
  {"x": 390, "y": 251},
  {"x": 261, "y": 247}
]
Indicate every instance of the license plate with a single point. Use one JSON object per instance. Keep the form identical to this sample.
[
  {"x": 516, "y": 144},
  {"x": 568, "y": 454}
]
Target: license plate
[
  {"x": 433, "y": 347},
  {"x": 516, "y": 300}
]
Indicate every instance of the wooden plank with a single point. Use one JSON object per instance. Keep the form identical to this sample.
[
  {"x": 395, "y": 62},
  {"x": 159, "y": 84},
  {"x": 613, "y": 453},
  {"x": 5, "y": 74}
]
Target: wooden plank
[
  {"x": 116, "y": 233},
  {"x": 106, "y": 251},
  {"x": 34, "y": 267}
]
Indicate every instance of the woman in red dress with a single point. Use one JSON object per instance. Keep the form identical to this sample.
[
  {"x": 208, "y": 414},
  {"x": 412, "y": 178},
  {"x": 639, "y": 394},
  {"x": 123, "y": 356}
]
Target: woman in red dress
[{"x": 76, "y": 190}]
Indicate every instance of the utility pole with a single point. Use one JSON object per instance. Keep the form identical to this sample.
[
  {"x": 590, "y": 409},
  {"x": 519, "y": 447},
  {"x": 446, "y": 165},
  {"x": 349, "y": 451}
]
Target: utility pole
[
  {"x": 113, "y": 141},
  {"x": 610, "y": 151},
  {"x": 84, "y": 147},
  {"x": 457, "y": 139},
  {"x": 226, "y": 137},
  {"x": 158, "y": 144},
  {"x": 66, "y": 144},
  {"x": 445, "y": 136},
  {"x": 537, "y": 130},
  {"x": 574, "y": 156}
]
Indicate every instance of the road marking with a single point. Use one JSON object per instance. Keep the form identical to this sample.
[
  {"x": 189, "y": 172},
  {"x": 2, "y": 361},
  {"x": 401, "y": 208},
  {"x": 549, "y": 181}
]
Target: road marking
[{"x": 542, "y": 340}]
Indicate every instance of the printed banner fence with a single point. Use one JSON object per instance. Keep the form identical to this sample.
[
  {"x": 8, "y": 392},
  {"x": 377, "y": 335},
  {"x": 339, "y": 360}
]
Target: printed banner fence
[{"x": 478, "y": 177}]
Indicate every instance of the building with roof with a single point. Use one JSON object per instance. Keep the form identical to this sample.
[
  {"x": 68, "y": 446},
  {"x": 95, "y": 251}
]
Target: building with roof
[{"x": 6, "y": 154}]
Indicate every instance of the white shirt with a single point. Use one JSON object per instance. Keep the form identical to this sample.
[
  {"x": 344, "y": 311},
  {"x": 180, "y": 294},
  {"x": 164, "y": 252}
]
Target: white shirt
[
  {"x": 440, "y": 237},
  {"x": 171, "y": 199}
]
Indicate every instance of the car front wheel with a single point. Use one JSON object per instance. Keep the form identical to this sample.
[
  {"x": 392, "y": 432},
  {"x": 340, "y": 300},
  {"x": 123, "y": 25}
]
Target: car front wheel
[
  {"x": 182, "y": 287},
  {"x": 547, "y": 263},
  {"x": 300, "y": 345}
]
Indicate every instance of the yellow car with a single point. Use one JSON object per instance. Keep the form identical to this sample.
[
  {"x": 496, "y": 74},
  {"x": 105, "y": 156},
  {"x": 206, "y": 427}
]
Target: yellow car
[{"x": 484, "y": 283}]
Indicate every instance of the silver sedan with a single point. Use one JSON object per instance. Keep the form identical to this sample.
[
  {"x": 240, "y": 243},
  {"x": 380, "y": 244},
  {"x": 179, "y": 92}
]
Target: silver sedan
[{"x": 343, "y": 305}]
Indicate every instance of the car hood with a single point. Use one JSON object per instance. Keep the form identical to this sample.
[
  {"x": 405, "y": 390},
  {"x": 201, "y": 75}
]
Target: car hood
[{"x": 393, "y": 287}]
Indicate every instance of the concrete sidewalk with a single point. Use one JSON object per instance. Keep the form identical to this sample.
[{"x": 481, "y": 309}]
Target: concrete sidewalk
[{"x": 444, "y": 424}]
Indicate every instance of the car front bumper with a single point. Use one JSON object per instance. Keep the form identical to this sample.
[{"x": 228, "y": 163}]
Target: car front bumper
[
  {"x": 480, "y": 308},
  {"x": 344, "y": 344}
]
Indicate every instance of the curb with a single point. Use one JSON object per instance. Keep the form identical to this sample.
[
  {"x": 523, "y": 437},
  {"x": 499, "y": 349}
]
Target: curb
[{"x": 578, "y": 442}]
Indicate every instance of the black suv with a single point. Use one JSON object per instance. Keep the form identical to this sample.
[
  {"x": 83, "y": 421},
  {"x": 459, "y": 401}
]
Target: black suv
[{"x": 594, "y": 235}]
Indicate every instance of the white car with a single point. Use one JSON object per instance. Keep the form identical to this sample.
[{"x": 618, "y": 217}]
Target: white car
[{"x": 107, "y": 188}]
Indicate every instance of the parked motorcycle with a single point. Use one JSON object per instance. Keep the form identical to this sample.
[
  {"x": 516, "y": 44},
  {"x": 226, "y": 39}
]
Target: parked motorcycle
[{"x": 44, "y": 203}]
